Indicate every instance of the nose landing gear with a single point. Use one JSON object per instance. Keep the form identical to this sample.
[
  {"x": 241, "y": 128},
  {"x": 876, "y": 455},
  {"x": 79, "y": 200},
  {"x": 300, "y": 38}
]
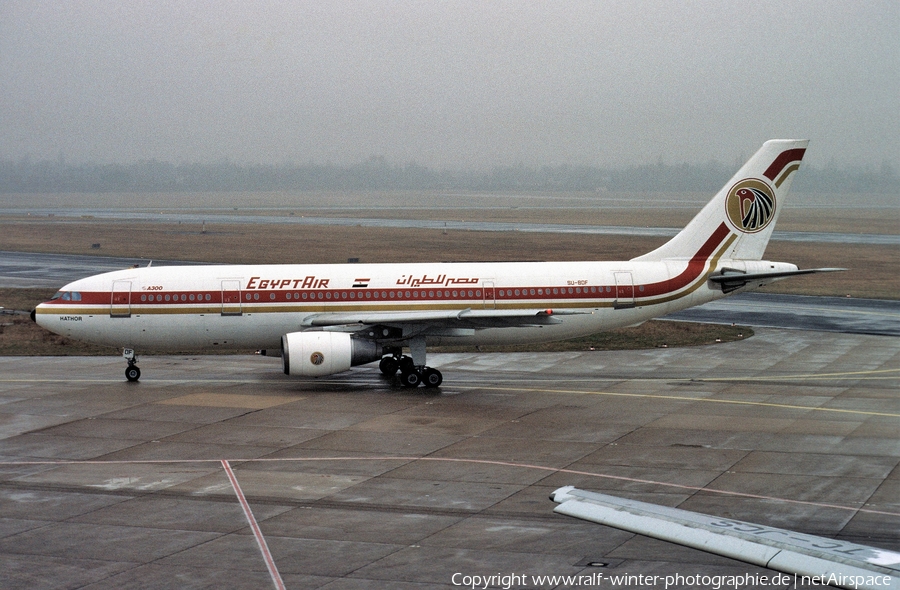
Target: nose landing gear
[{"x": 132, "y": 372}]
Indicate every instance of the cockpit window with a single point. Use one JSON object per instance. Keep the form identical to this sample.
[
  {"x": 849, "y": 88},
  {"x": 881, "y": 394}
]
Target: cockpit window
[
  {"x": 57, "y": 296},
  {"x": 66, "y": 296},
  {"x": 76, "y": 296}
]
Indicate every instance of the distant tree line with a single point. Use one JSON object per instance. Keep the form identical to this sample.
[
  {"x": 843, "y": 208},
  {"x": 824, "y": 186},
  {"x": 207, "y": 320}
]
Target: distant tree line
[{"x": 376, "y": 173}]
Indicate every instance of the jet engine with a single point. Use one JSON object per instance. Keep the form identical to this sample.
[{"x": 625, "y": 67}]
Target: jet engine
[{"x": 316, "y": 354}]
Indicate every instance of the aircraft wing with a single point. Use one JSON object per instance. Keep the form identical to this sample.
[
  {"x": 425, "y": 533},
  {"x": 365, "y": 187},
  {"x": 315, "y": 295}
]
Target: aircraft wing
[
  {"x": 454, "y": 318},
  {"x": 731, "y": 280},
  {"x": 832, "y": 561}
]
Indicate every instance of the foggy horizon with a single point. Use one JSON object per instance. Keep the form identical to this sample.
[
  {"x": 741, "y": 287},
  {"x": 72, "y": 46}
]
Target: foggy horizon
[{"x": 459, "y": 86}]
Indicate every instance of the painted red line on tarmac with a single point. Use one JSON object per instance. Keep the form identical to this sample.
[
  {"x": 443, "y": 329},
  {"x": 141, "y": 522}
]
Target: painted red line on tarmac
[{"x": 260, "y": 540}]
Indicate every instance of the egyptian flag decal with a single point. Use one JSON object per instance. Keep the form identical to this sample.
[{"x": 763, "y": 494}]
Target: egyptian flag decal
[{"x": 360, "y": 283}]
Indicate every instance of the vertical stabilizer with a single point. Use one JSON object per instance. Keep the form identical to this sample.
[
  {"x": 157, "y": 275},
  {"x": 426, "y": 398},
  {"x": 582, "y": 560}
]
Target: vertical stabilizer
[{"x": 747, "y": 207}]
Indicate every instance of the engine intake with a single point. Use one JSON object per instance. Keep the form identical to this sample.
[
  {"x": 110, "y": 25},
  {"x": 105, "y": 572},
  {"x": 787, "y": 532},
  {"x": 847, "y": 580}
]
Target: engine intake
[{"x": 316, "y": 354}]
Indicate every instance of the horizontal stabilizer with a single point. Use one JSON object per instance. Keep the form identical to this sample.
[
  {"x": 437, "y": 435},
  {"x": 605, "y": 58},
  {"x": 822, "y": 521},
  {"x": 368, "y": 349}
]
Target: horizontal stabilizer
[
  {"x": 833, "y": 562},
  {"x": 731, "y": 280}
]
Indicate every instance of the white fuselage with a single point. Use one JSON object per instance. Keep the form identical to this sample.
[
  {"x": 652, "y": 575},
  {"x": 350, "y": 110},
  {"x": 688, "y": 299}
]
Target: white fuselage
[{"x": 252, "y": 306}]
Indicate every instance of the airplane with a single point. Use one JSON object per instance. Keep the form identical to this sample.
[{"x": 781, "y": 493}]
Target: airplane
[{"x": 324, "y": 319}]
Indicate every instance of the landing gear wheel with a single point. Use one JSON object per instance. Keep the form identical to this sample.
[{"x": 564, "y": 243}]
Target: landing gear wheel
[
  {"x": 132, "y": 373},
  {"x": 411, "y": 379},
  {"x": 432, "y": 377},
  {"x": 388, "y": 366},
  {"x": 406, "y": 364}
]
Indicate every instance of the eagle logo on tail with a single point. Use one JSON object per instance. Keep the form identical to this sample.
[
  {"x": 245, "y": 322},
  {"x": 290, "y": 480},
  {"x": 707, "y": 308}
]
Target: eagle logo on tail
[{"x": 750, "y": 205}]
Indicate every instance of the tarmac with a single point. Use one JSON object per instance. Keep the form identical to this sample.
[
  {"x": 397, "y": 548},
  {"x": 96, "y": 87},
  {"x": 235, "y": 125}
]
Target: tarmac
[{"x": 220, "y": 471}]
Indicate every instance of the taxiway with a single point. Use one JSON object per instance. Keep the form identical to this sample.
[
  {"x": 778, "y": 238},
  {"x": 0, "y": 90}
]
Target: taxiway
[{"x": 357, "y": 482}]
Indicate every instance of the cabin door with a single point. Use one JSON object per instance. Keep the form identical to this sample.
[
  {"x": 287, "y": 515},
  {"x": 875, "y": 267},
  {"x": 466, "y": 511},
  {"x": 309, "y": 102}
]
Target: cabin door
[
  {"x": 624, "y": 291},
  {"x": 487, "y": 289},
  {"x": 231, "y": 297},
  {"x": 120, "y": 302}
]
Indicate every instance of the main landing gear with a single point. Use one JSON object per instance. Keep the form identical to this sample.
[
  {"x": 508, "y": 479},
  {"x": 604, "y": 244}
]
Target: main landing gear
[
  {"x": 132, "y": 373},
  {"x": 411, "y": 373}
]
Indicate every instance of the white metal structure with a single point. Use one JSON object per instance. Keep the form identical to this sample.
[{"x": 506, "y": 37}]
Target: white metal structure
[
  {"x": 816, "y": 560},
  {"x": 326, "y": 318}
]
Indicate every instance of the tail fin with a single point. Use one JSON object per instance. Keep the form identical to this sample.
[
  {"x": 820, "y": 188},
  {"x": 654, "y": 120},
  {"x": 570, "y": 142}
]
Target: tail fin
[{"x": 747, "y": 207}]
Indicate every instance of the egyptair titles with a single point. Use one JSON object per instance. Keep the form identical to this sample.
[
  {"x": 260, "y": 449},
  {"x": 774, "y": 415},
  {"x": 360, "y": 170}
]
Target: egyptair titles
[
  {"x": 436, "y": 281},
  {"x": 314, "y": 282},
  {"x": 309, "y": 282}
]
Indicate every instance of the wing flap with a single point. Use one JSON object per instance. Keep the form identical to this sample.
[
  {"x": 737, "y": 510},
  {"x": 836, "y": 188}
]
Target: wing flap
[
  {"x": 453, "y": 317},
  {"x": 778, "y": 549}
]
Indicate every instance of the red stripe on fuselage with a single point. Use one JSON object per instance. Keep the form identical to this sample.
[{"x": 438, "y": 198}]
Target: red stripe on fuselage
[
  {"x": 785, "y": 158},
  {"x": 694, "y": 269}
]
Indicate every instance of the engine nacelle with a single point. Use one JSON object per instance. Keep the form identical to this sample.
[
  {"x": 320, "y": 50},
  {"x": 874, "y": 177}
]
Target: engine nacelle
[{"x": 316, "y": 354}]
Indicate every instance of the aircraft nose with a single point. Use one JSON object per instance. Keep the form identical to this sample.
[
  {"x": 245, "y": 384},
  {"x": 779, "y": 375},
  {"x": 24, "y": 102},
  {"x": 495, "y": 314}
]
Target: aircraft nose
[{"x": 33, "y": 319}]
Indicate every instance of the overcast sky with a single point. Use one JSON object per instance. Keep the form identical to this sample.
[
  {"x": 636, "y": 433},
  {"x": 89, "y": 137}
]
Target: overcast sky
[{"x": 453, "y": 84}]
